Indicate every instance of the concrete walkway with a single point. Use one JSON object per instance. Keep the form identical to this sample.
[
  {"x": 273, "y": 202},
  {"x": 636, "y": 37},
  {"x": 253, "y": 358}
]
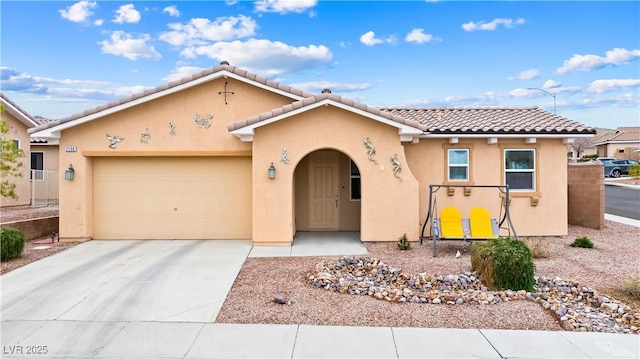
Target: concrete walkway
[{"x": 160, "y": 299}]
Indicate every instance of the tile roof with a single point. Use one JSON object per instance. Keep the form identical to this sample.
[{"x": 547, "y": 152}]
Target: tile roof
[
  {"x": 314, "y": 99},
  {"x": 429, "y": 120},
  {"x": 22, "y": 115},
  {"x": 224, "y": 66},
  {"x": 621, "y": 134},
  {"x": 525, "y": 120}
]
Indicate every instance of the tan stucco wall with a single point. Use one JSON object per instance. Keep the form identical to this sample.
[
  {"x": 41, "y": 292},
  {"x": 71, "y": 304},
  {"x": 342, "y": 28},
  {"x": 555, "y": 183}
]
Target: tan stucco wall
[
  {"x": 51, "y": 155},
  {"x": 18, "y": 131},
  {"x": 76, "y": 203},
  {"x": 389, "y": 206},
  {"x": 549, "y": 217}
]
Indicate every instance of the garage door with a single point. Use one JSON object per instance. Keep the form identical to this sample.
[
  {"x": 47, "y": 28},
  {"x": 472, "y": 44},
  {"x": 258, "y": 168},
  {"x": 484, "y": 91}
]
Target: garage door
[{"x": 172, "y": 198}]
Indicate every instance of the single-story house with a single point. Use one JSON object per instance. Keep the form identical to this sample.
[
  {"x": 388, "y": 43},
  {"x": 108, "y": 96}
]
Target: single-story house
[
  {"x": 38, "y": 185},
  {"x": 226, "y": 154},
  {"x": 621, "y": 143}
]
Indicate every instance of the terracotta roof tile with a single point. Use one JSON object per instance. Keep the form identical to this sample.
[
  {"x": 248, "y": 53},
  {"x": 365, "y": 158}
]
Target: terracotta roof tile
[
  {"x": 315, "y": 99},
  {"x": 490, "y": 120},
  {"x": 164, "y": 87}
]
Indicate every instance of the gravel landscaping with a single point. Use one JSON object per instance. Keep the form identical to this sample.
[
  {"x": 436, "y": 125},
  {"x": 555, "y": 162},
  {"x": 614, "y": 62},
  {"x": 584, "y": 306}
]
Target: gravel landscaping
[{"x": 603, "y": 269}]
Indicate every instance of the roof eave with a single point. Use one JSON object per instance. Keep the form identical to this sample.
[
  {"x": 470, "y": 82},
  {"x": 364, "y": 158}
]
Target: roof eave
[
  {"x": 18, "y": 113},
  {"x": 407, "y": 133},
  {"x": 63, "y": 125}
]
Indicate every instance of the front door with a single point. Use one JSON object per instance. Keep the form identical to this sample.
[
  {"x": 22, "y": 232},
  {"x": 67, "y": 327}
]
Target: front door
[{"x": 324, "y": 201}]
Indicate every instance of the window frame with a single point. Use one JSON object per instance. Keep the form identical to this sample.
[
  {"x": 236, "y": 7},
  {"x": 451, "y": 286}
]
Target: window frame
[
  {"x": 445, "y": 164},
  {"x": 533, "y": 171},
  {"x": 353, "y": 177},
  {"x": 466, "y": 166},
  {"x": 31, "y": 169}
]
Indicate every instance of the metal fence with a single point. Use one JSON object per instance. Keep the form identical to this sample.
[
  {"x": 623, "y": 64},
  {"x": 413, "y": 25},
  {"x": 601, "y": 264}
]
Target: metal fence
[{"x": 44, "y": 188}]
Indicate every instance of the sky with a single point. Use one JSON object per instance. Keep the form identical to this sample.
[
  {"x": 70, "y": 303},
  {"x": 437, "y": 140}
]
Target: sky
[{"x": 59, "y": 58}]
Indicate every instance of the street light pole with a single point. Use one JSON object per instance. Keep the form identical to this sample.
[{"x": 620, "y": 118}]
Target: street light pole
[{"x": 548, "y": 93}]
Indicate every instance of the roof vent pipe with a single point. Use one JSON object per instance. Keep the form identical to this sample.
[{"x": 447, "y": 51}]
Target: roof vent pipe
[
  {"x": 326, "y": 91},
  {"x": 224, "y": 62}
]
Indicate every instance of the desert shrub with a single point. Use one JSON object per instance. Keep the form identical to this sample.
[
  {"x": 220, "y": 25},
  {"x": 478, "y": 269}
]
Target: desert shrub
[
  {"x": 403, "y": 242},
  {"x": 582, "y": 242},
  {"x": 586, "y": 158},
  {"x": 504, "y": 263},
  {"x": 11, "y": 243},
  {"x": 539, "y": 247},
  {"x": 634, "y": 171},
  {"x": 632, "y": 286}
]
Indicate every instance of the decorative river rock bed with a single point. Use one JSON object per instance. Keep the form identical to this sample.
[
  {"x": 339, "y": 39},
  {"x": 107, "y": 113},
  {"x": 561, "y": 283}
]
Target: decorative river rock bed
[{"x": 577, "y": 308}]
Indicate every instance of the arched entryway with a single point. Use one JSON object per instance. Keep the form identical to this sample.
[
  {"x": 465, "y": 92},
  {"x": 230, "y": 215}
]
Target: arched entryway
[{"x": 327, "y": 195}]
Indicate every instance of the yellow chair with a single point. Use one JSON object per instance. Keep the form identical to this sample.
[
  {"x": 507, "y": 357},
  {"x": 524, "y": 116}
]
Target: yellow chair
[
  {"x": 481, "y": 224},
  {"x": 451, "y": 223}
]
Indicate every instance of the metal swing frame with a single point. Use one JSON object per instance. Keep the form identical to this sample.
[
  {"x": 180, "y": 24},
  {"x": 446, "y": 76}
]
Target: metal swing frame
[{"x": 432, "y": 217}]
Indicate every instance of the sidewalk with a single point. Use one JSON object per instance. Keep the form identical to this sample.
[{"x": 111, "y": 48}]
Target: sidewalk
[{"x": 157, "y": 339}]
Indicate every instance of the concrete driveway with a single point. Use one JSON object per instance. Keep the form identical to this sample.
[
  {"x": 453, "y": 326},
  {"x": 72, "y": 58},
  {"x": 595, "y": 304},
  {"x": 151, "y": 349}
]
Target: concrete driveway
[{"x": 104, "y": 292}]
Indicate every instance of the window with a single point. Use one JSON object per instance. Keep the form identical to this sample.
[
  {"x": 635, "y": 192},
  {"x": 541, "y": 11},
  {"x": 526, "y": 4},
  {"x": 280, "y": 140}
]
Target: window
[
  {"x": 458, "y": 162},
  {"x": 37, "y": 166},
  {"x": 16, "y": 143},
  {"x": 519, "y": 169},
  {"x": 354, "y": 177}
]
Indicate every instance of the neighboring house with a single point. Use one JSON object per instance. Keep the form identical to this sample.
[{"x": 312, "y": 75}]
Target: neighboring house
[
  {"x": 226, "y": 154},
  {"x": 44, "y": 168},
  {"x": 621, "y": 143},
  {"x": 19, "y": 122}
]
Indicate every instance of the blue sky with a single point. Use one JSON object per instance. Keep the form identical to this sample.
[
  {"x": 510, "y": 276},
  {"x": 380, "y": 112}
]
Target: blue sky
[{"x": 59, "y": 58}]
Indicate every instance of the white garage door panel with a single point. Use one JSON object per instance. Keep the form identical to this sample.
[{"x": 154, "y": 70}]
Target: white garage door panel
[{"x": 172, "y": 198}]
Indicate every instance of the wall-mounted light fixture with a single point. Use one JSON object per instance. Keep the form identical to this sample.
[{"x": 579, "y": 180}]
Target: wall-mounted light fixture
[
  {"x": 69, "y": 173},
  {"x": 272, "y": 171}
]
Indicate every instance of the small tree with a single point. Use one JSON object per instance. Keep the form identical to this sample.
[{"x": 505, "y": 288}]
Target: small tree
[
  {"x": 580, "y": 145},
  {"x": 10, "y": 164}
]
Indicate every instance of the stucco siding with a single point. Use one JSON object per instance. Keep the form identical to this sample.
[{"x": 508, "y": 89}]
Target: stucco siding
[
  {"x": 18, "y": 131},
  {"x": 156, "y": 116},
  {"x": 534, "y": 213},
  {"x": 389, "y": 205}
]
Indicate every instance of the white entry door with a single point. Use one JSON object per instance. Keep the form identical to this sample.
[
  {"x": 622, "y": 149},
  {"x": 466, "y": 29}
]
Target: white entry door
[{"x": 324, "y": 192}]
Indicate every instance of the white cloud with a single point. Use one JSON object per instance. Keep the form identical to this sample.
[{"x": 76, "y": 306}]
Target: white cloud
[
  {"x": 335, "y": 87},
  {"x": 172, "y": 11},
  {"x": 198, "y": 31},
  {"x": 284, "y": 6},
  {"x": 369, "y": 39},
  {"x": 617, "y": 56},
  {"x": 127, "y": 13},
  {"x": 600, "y": 86},
  {"x": 182, "y": 72},
  {"x": 264, "y": 56},
  {"x": 551, "y": 84},
  {"x": 418, "y": 36},
  {"x": 78, "y": 12},
  {"x": 529, "y": 74},
  {"x": 490, "y": 26},
  {"x": 123, "y": 44},
  {"x": 98, "y": 22}
]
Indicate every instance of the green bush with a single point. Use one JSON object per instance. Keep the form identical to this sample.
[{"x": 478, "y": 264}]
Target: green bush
[
  {"x": 12, "y": 243},
  {"x": 582, "y": 242},
  {"x": 403, "y": 242},
  {"x": 634, "y": 171},
  {"x": 586, "y": 158},
  {"x": 504, "y": 263}
]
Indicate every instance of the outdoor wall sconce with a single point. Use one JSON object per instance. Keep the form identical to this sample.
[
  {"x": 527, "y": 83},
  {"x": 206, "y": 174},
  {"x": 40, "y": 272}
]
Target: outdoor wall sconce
[
  {"x": 69, "y": 173},
  {"x": 272, "y": 171}
]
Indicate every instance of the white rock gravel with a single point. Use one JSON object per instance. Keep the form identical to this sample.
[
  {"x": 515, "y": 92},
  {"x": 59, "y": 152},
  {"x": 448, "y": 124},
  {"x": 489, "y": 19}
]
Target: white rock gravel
[{"x": 604, "y": 269}]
